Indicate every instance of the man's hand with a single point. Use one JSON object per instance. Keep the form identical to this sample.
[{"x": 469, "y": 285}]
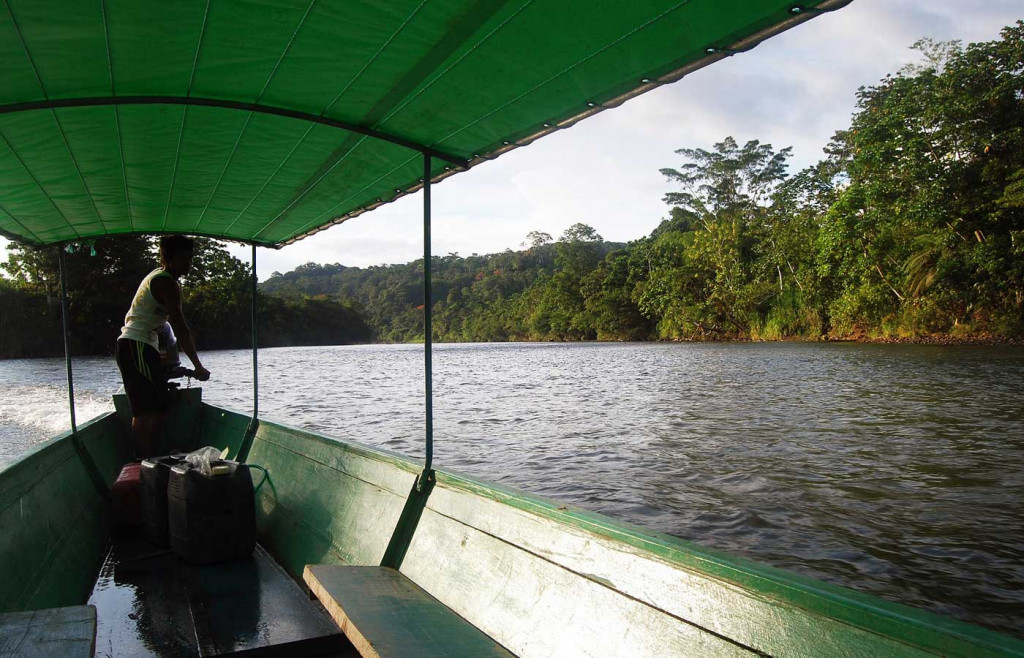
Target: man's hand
[{"x": 202, "y": 374}]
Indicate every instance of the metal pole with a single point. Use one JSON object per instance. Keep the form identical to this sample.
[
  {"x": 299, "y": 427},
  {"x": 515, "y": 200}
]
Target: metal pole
[
  {"x": 254, "y": 423},
  {"x": 67, "y": 344},
  {"x": 76, "y": 441},
  {"x": 428, "y": 327},
  {"x": 255, "y": 373}
]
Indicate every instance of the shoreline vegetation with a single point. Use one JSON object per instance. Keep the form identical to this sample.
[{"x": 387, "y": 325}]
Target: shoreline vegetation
[{"x": 909, "y": 230}]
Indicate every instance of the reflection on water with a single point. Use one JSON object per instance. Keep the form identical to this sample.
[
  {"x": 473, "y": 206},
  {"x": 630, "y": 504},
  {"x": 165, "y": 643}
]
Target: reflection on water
[{"x": 895, "y": 470}]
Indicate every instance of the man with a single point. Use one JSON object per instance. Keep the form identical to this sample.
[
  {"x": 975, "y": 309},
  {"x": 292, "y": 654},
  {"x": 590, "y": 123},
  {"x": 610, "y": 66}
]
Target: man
[{"x": 157, "y": 301}]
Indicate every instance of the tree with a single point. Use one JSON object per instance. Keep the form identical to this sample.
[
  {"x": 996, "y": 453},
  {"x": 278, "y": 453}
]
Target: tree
[
  {"x": 578, "y": 250},
  {"x": 536, "y": 239},
  {"x": 607, "y": 293},
  {"x": 719, "y": 286},
  {"x": 102, "y": 277},
  {"x": 727, "y": 179},
  {"x": 922, "y": 238}
]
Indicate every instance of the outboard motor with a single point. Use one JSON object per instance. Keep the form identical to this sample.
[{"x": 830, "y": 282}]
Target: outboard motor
[{"x": 170, "y": 359}]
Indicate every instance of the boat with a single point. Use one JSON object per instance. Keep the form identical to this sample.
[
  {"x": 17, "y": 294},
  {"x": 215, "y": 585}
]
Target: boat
[{"x": 266, "y": 123}]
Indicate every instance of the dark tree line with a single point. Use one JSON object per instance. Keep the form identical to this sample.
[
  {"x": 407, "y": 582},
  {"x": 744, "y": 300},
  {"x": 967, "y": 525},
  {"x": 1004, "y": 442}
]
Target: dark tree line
[
  {"x": 102, "y": 278},
  {"x": 472, "y": 294}
]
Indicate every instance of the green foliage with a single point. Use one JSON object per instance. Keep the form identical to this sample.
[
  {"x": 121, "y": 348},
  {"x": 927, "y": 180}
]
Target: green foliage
[
  {"x": 535, "y": 294},
  {"x": 27, "y": 324},
  {"x": 729, "y": 179},
  {"x": 610, "y": 308},
  {"x": 103, "y": 276},
  {"x": 922, "y": 239}
]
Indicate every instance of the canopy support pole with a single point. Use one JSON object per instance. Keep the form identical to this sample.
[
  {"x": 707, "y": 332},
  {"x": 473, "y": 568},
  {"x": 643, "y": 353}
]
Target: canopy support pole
[
  {"x": 67, "y": 338},
  {"x": 254, "y": 423},
  {"x": 255, "y": 371},
  {"x": 401, "y": 537},
  {"x": 76, "y": 441},
  {"x": 428, "y": 330}
]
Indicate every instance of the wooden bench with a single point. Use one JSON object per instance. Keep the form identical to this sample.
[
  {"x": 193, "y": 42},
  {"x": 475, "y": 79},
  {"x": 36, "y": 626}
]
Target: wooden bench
[
  {"x": 383, "y": 613},
  {"x": 63, "y": 632}
]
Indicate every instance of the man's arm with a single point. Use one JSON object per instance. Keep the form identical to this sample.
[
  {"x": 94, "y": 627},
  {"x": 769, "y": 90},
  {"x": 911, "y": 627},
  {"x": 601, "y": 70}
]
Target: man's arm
[{"x": 168, "y": 293}]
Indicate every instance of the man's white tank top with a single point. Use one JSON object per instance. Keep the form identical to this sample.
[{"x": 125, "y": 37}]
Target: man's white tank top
[{"x": 146, "y": 314}]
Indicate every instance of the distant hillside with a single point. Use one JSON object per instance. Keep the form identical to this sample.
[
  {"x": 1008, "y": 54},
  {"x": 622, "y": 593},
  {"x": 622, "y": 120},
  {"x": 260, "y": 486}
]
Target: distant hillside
[{"x": 465, "y": 290}]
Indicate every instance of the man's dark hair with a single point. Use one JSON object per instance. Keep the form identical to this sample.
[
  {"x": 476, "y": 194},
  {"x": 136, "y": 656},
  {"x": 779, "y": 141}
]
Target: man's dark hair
[{"x": 173, "y": 244}]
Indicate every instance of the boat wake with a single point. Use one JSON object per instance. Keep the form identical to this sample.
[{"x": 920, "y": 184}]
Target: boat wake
[{"x": 31, "y": 414}]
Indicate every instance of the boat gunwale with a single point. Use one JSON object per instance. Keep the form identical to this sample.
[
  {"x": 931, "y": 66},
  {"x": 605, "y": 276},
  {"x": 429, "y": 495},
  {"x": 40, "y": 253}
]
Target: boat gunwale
[
  {"x": 773, "y": 584},
  {"x": 406, "y": 463}
]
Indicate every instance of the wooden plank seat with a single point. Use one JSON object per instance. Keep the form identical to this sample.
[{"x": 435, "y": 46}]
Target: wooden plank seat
[
  {"x": 383, "y": 613},
  {"x": 65, "y": 632}
]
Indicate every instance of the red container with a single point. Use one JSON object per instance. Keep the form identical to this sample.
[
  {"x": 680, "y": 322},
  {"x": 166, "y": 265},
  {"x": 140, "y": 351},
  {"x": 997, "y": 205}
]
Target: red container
[{"x": 125, "y": 496}]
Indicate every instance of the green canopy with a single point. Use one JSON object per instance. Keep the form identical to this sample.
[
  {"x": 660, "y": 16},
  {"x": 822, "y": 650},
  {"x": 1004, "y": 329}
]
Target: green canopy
[{"x": 266, "y": 121}]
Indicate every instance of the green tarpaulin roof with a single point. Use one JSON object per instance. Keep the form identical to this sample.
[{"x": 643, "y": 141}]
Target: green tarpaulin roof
[{"x": 266, "y": 121}]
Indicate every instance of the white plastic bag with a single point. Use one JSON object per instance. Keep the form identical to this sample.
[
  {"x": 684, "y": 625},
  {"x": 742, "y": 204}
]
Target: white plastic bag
[{"x": 204, "y": 457}]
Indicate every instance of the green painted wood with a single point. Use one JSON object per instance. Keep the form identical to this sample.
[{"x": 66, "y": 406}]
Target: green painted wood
[
  {"x": 221, "y": 428},
  {"x": 123, "y": 409},
  {"x": 769, "y": 609},
  {"x": 181, "y": 428},
  {"x": 22, "y": 473},
  {"x": 362, "y": 461},
  {"x": 249, "y": 436},
  {"x": 72, "y": 561},
  {"x": 383, "y": 613},
  {"x": 53, "y": 523},
  {"x": 409, "y": 520},
  {"x": 68, "y": 632},
  {"x": 325, "y": 501},
  {"x": 110, "y": 449},
  {"x": 244, "y": 605},
  {"x": 535, "y": 607}
]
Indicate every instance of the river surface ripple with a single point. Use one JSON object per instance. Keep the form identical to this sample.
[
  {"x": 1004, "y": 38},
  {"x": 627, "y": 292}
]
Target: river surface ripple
[{"x": 894, "y": 470}]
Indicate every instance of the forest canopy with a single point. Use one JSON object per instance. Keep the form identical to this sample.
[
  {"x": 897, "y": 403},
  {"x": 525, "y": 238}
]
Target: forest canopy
[
  {"x": 103, "y": 276},
  {"x": 910, "y": 226}
]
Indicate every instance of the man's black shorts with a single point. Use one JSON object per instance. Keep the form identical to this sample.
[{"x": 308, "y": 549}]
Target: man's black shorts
[{"x": 143, "y": 377}]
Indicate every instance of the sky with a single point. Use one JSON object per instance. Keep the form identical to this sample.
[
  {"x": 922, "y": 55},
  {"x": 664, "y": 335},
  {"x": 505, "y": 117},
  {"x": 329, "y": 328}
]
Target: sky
[{"x": 796, "y": 89}]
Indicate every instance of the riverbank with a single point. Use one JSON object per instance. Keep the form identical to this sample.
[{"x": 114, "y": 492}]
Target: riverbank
[{"x": 984, "y": 339}]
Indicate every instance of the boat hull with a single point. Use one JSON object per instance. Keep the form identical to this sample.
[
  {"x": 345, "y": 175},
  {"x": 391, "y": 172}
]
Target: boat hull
[{"x": 539, "y": 577}]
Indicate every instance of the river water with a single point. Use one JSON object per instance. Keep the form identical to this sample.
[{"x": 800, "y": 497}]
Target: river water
[{"x": 895, "y": 470}]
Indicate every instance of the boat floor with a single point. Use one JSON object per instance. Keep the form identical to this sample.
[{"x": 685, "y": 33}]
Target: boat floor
[{"x": 151, "y": 603}]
